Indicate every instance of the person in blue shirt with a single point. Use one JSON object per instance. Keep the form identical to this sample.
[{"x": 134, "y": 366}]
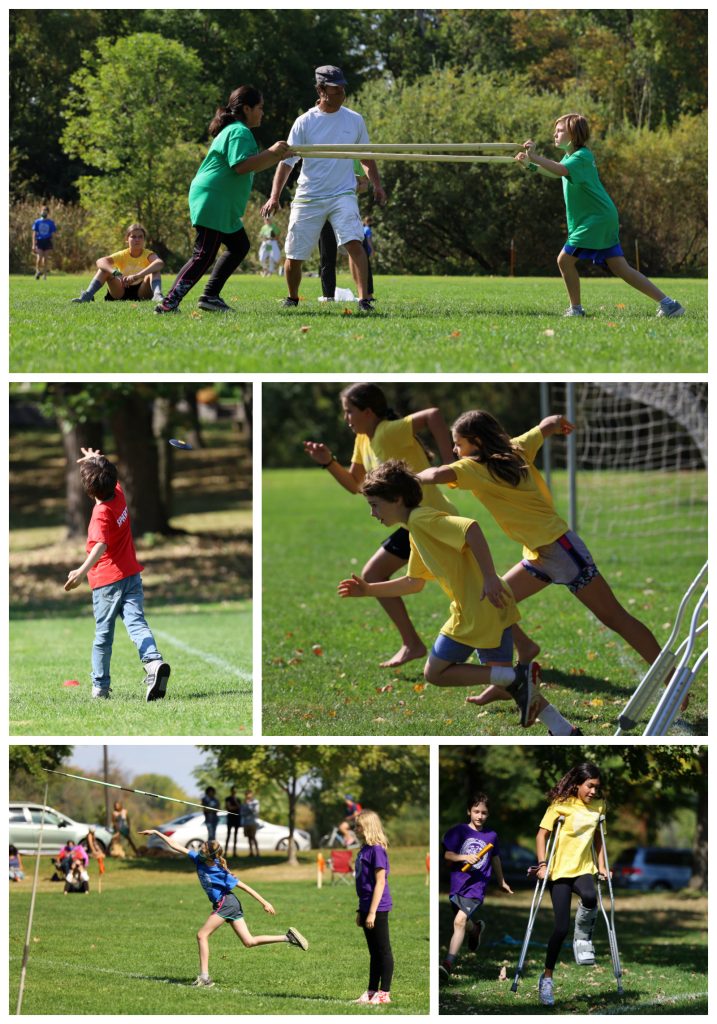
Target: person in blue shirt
[
  {"x": 218, "y": 882},
  {"x": 42, "y": 231}
]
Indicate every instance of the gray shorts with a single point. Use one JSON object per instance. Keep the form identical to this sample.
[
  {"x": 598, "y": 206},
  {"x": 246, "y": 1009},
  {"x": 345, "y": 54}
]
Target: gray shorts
[
  {"x": 229, "y": 908},
  {"x": 566, "y": 561},
  {"x": 470, "y": 907}
]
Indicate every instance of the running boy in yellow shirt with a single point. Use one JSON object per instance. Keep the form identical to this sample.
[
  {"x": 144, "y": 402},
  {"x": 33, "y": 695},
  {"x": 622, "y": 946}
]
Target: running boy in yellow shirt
[{"x": 453, "y": 551}]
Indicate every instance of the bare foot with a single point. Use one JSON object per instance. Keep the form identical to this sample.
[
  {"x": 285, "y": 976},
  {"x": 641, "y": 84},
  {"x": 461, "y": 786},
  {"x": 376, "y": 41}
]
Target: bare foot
[
  {"x": 490, "y": 693},
  {"x": 403, "y": 655}
]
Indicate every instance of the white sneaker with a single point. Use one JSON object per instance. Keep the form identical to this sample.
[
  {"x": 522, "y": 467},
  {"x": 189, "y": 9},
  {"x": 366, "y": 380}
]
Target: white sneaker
[
  {"x": 364, "y": 999},
  {"x": 671, "y": 308},
  {"x": 202, "y": 981},
  {"x": 574, "y": 311}
]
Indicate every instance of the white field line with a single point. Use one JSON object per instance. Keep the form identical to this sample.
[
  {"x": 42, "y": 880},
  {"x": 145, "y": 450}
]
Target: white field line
[
  {"x": 654, "y": 1003},
  {"x": 83, "y": 968},
  {"x": 212, "y": 659}
]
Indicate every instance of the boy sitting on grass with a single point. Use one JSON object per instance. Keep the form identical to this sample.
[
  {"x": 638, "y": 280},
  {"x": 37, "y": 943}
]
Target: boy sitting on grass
[
  {"x": 113, "y": 573},
  {"x": 131, "y": 275},
  {"x": 453, "y": 551}
]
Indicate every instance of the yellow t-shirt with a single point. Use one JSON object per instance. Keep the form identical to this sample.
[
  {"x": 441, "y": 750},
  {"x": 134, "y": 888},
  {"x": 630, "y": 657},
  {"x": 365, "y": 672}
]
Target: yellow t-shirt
[
  {"x": 525, "y": 512},
  {"x": 574, "y": 852},
  {"x": 439, "y": 551},
  {"x": 394, "y": 439},
  {"x": 128, "y": 264}
]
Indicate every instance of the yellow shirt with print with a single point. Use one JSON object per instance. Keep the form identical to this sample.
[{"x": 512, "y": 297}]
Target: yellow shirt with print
[
  {"x": 574, "y": 853},
  {"x": 525, "y": 512},
  {"x": 394, "y": 439},
  {"x": 128, "y": 264},
  {"x": 439, "y": 551}
]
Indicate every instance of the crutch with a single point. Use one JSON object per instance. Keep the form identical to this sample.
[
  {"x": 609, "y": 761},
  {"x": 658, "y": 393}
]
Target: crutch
[
  {"x": 537, "y": 899},
  {"x": 609, "y": 919},
  {"x": 664, "y": 663}
]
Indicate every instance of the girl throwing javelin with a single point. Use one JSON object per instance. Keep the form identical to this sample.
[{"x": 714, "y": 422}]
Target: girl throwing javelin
[
  {"x": 380, "y": 435},
  {"x": 501, "y": 473},
  {"x": 573, "y": 869},
  {"x": 593, "y": 225},
  {"x": 218, "y": 882}
]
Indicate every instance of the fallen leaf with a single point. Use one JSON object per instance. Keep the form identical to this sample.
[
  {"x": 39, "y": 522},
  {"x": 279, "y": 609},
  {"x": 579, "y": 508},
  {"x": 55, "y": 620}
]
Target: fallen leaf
[
  {"x": 620, "y": 305},
  {"x": 550, "y": 333},
  {"x": 455, "y": 334},
  {"x": 305, "y": 329},
  {"x": 419, "y": 687},
  {"x": 347, "y": 312},
  {"x": 316, "y": 648}
]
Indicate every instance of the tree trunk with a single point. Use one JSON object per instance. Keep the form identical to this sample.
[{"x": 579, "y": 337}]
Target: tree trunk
[
  {"x": 291, "y": 858},
  {"x": 78, "y": 507},
  {"x": 700, "y": 849},
  {"x": 139, "y": 464},
  {"x": 162, "y": 430}
]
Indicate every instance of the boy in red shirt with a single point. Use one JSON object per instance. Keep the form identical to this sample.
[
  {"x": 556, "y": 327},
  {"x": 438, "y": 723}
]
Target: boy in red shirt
[{"x": 113, "y": 573}]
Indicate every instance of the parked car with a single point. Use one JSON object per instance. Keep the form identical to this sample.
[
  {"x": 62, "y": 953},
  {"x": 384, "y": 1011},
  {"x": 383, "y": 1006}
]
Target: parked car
[
  {"x": 189, "y": 830},
  {"x": 646, "y": 868},
  {"x": 57, "y": 829},
  {"x": 516, "y": 860}
]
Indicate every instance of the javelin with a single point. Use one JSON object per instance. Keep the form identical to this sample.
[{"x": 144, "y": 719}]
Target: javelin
[{"x": 127, "y": 789}]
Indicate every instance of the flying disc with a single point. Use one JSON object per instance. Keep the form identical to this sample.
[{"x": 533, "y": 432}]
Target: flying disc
[{"x": 176, "y": 443}]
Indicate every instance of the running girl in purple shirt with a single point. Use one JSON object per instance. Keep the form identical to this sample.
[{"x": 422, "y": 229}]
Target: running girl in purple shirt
[
  {"x": 218, "y": 882},
  {"x": 474, "y": 855},
  {"x": 374, "y": 903}
]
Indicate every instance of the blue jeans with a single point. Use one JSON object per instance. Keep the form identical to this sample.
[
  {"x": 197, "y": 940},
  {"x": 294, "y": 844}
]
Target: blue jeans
[{"x": 124, "y": 599}]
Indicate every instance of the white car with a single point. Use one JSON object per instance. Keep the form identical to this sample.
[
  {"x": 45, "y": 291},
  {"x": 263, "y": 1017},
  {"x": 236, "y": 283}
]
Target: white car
[
  {"x": 190, "y": 831},
  {"x": 57, "y": 829}
]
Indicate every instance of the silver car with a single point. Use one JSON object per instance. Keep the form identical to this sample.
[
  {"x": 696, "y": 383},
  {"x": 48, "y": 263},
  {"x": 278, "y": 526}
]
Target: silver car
[
  {"x": 190, "y": 831},
  {"x": 57, "y": 829}
]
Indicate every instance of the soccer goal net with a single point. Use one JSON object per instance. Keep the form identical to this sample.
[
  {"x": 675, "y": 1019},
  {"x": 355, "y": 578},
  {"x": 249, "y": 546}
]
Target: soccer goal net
[{"x": 636, "y": 467}]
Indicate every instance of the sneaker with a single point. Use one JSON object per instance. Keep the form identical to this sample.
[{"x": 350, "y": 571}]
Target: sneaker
[
  {"x": 84, "y": 297},
  {"x": 573, "y": 732},
  {"x": 670, "y": 307},
  {"x": 101, "y": 692},
  {"x": 289, "y": 303},
  {"x": 365, "y": 306},
  {"x": 475, "y": 935},
  {"x": 157, "y": 675},
  {"x": 214, "y": 304},
  {"x": 444, "y": 970},
  {"x": 363, "y": 999},
  {"x": 38, "y": 275},
  {"x": 574, "y": 311},
  {"x": 380, "y": 997},
  {"x": 522, "y": 689},
  {"x": 297, "y": 939},
  {"x": 158, "y": 297},
  {"x": 202, "y": 981},
  {"x": 163, "y": 307},
  {"x": 545, "y": 991}
]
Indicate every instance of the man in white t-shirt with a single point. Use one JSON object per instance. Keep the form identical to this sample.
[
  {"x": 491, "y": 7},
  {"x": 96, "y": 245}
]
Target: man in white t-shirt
[{"x": 326, "y": 189}]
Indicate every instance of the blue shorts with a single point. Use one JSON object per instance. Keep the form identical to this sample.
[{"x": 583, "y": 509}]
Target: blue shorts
[
  {"x": 598, "y": 256},
  {"x": 567, "y": 561},
  {"x": 228, "y": 907},
  {"x": 399, "y": 543},
  {"x": 448, "y": 649},
  {"x": 43, "y": 244}
]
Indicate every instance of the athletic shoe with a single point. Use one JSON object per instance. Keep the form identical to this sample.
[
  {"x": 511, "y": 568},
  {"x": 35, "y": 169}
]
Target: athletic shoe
[
  {"x": 670, "y": 308},
  {"x": 157, "y": 675},
  {"x": 101, "y": 693},
  {"x": 214, "y": 304},
  {"x": 475, "y": 935},
  {"x": 289, "y": 303},
  {"x": 365, "y": 306},
  {"x": 380, "y": 997},
  {"x": 573, "y": 732},
  {"x": 574, "y": 311},
  {"x": 38, "y": 276},
  {"x": 363, "y": 999},
  {"x": 444, "y": 970},
  {"x": 158, "y": 297},
  {"x": 545, "y": 991},
  {"x": 522, "y": 689},
  {"x": 164, "y": 308},
  {"x": 202, "y": 981},
  {"x": 297, "y": 939},
  {"x": 84, "y": 297}
]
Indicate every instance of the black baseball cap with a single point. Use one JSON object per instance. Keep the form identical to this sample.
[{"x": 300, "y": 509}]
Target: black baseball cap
[{"x": 329, "y": 74}]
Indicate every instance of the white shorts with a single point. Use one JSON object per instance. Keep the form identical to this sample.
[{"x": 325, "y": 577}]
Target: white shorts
[
  {"x": 307, "y": 220},
  {"x": 269, "y": 250}
]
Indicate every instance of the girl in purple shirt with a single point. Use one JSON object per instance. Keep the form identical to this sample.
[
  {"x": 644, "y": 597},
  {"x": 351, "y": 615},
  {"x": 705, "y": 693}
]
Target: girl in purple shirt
[{"x": 374, "y": 903}]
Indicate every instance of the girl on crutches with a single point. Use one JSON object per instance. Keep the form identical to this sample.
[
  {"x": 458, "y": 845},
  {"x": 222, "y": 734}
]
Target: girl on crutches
[{"x": 572, "y": 869}]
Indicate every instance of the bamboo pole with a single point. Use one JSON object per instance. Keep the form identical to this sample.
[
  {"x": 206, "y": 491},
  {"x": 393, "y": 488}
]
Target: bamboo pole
[
  {"x": 442, "y": 158},
  {"x": 418, "y": 147}
]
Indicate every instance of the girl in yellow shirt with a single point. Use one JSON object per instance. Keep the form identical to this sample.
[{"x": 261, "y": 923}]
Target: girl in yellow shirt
[
  {"x": 573, "y": 867},
  {"x": 500, "y": 472}
]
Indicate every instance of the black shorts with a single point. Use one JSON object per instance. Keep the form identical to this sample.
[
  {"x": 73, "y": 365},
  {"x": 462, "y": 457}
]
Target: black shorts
[
  {"x": 131, "y": 294},
  {"x": 43, "y": 244},
  {"x": 399, "y": 543}
]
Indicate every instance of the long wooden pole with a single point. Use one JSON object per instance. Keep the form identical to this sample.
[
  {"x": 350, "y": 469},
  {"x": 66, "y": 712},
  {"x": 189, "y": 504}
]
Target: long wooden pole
[
  {"x": 441, "y": 158},
  {"x": 418, "y": 147}
]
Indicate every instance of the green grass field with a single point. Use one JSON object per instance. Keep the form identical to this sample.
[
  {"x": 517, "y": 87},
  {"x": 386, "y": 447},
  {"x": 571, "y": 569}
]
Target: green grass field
[
  {"x": 662, "y": 938},
  {"x": 321, "y": 655},
  {"x": 132, "y": 949},
  {"x": 427, "y": 324}
]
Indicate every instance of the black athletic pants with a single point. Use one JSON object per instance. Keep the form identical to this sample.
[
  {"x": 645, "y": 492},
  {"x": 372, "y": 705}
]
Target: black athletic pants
[
  {"x": 327, "y": 262},
  {"x": 379, "y": 946},
  {"x": 561, "y": 891},
  {"x": 206, "y": 247}
]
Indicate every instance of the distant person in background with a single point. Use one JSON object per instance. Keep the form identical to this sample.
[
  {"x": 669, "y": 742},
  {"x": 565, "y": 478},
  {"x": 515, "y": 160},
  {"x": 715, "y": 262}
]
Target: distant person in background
[
  {"x": 232, "y": 805},
  {"x": 77, "y": 879},
  {"x": 131, "y": 274},
  {"x": 269, "y": 251},
  {"x": 120, "y": 824},
  {"x": 250, "y": 820},
  {"x": 16, "y": 870},
  {"x": 42, "y": 231},
  {"x": 63, "y": 861},
  {"x": 353, "y": 809},
  {"x": 211, "y": 805}
]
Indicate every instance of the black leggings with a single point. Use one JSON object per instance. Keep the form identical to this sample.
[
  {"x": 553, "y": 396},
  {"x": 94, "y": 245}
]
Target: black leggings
[
  {"x": 380, "y": 970},
  {"x": 561, "y": 891},
  {"x": 327, "y": 262},
  {"x": 206, "y": 247}
]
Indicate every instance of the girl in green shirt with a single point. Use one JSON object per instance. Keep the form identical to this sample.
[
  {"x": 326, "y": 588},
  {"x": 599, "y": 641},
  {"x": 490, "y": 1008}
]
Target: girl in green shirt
[
  {"x": 593, "y": 226},
  {"x": 218, "y": 196}
]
